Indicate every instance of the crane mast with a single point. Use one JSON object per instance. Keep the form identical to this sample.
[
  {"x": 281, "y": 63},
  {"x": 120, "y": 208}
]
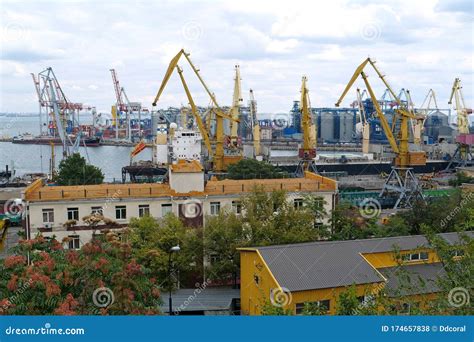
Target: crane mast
[
  {"x": 307, "y": 152},
  {"x": 255, "y": 126},
  {"x": 236, "y": 104},
  {"x": 364, "y": 123}
]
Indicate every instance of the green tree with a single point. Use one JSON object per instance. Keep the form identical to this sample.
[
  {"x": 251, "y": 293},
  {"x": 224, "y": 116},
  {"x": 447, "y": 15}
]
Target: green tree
[
  {"x": 252, "y": 168},
  {"x": 69, "y": 282},
  {"x": 314, "y": 309},
  {"x": 347, "y": 302},
  {"x": 348, "y": 224},
  {"x": 151, "y": 241},
  {"x": 460, "y": 178},
  {"x": 75, "y": 171},
  {"x": 223, "y": 235},
  {"x": 435, "y": 213}
]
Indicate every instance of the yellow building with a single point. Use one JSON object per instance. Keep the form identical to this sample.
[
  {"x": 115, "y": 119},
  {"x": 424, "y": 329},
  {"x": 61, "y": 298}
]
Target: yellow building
[{"x": 317, "y": 272}]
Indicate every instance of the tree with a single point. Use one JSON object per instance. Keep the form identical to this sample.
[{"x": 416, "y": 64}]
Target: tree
[
  {"x": 347, "y": 301},
  {"x": 223, "y": 235},
  {"x": 75, "y": 171},
  {"x": 151, "y": 241},
  {"x": 461, "y": 177},
  {"x": 349, "y": 224},
  {"x": 252, "y": 168},
  {"x": 102, "y": 278},
  {"x": 435, "y": 212},
  {"x": 314, "y": 309}
]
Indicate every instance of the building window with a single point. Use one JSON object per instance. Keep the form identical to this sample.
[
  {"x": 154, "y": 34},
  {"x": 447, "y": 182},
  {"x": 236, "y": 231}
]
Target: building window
[
  {"x": 298, "y": 203},
  {"x": 166, "y": 208},
  {"x": 73, "y": 214},
  {"x": 237, "y": 207},
  {"x": 415, "y": 256},
  {"x": 120, "y": 212},
  {"x": 98, "y": 211},
  {"x": 143, "y": 210},
  {"x": 323, "y": 305},
  {"x": 215, "y": 208},
  {"x": 74, "y": 242},
  {"x": 404, "y": 309},
  {"x": 213, "y": 258},
  {"x": 48, "y": 215}
]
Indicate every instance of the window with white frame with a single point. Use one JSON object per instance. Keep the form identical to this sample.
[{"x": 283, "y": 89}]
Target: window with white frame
[
  {"x": 323, "y": 305},
  {"x": 98, "y": 211},
  {"x": 143, "y": 210},
  {"x": 120, "y": 212},
  {"x": 73, "y": 214},
  {"x": 298, "y": 203},
  {"x": 215, "y": 208},
  {"x": 237, "y": 207},
  {"x": 166, "y": 208},
  {"x": 74, "y": 242},
  {"x": 419, "y": 256},
  {"x": 48, "y": 215}
]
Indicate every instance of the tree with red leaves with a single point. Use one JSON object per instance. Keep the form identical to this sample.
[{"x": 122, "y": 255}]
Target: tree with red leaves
[{"x": 102, "y": 278}]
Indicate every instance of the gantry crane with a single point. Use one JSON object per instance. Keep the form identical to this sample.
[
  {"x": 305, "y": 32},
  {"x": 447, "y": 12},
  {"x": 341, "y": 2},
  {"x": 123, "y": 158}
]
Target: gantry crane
[
  {"x": 402, "y": 182},
  {"x": 235, "y": 110},
  {"x": 255, "y": 126},
  {"x": 307, "y": 152},
  {"x": 463, "y": 154},
  {"x": 219, "y": 159},
  {"x": 124, "y": 105}
]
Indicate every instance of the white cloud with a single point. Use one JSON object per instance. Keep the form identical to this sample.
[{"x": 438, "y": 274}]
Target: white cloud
[{"x": 418, "y": 44}]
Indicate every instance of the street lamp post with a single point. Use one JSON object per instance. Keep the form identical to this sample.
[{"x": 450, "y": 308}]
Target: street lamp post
[{"x": 171, "y": 251}]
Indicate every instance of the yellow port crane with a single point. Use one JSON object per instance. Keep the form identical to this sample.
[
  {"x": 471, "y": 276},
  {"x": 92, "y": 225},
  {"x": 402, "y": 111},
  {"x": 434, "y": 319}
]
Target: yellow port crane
[
  {"x": 219, "y": 159},
  {"x": 402, "y": 182},
  {"x": 463, "y": 154},
  {"x": 307, "y": 152}
]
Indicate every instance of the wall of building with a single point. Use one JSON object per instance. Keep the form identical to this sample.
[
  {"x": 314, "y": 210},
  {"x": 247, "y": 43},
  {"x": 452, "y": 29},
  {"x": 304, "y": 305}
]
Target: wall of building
[
  {"x": 60, "y": 209},
  {"x": 331, "y": 294},
  {"x": 256, "y": 282},
  {"x": 389, "y": 259}
]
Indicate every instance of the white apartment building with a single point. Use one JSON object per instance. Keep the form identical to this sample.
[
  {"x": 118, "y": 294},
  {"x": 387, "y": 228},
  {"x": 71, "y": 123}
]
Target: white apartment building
[{"x": 188, "y": 196}]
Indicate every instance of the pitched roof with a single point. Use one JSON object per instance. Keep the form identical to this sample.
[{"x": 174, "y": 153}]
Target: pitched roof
[
  {"x": 327, "y": 264},
  {"x": 422, "y": 278}
]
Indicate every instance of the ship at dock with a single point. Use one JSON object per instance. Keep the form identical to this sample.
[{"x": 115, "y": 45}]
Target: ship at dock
[{"x": 47, "y": 140}]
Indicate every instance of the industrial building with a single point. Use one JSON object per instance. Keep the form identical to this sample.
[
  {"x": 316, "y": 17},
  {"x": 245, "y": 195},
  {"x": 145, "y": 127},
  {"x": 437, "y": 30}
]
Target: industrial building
[{"x": 317, "y": 272}]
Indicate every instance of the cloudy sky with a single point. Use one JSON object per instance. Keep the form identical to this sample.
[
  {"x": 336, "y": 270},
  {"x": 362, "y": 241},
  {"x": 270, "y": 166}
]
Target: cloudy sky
[{"x": 418, "y": 44}]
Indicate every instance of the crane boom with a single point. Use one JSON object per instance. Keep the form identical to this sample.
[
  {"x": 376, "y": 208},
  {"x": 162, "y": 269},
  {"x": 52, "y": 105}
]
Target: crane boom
[{"x": 399, "y": 145}]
